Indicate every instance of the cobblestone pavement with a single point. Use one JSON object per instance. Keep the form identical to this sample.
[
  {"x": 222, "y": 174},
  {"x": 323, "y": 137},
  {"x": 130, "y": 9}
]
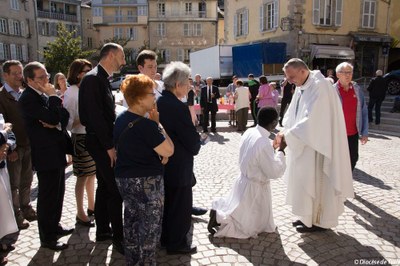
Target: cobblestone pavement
[{"x": 368, "y": 232}]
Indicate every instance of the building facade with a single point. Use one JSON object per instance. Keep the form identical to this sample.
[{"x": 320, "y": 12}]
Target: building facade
[
  {"x": 321, "y": 32},
  {"x": 51, "y": 13},
  {"x": 90, "y": 35},
  {"x": 18, "y": 33},
  {"x": 177, "y": 28},
  {"x": 122, "y": 20}
]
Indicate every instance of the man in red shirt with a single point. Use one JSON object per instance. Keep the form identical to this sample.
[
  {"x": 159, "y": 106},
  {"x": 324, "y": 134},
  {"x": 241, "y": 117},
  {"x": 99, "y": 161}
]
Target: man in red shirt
[{"x": 354, "y": 109}]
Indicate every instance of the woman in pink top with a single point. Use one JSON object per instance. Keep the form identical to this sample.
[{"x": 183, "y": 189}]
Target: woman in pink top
[{"x": 267, "y": 95}]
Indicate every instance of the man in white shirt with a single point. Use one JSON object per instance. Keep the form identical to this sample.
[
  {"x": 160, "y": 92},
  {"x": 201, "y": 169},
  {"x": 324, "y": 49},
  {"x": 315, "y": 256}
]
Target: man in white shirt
[
  {"x": 318, "y": 175},
  {"x": 247, "y": 210}
]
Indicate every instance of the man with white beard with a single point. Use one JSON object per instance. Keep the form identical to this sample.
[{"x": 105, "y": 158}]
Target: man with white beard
[{"x": 318, "y": 173}]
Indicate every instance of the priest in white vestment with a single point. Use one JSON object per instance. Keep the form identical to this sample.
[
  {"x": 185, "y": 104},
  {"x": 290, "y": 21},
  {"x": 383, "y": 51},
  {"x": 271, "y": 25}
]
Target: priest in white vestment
[
  {"x": 247, "y": 210},
  {"x": 318, "y": 175}
]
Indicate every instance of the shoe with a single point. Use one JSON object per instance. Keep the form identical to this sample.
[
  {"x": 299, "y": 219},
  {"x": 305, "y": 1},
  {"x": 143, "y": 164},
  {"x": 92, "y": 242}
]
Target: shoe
[
  {"x": 212, "y": 222},
  {"x": 90, "y": 212},
  {"x": 54, "y": 245},
  {"x": 22, "y": 223},
  {"x": 184, "y": 250},
  {"x": 118, "y": 246},
  {"x": 104, "y": 236},
  {"x": 198, "y": 211},
  {"x": 29, "y": 214},
  {"x": 298, "y": 222},
  {"x": 83, "y": 223},
  {"x": 205, "y": 131},
  {"x": 377, "y": 123},
  {"x": 305, "y": 229},
  {"x": 213, "y": 130},
  {"x": 64, "y": 231}
]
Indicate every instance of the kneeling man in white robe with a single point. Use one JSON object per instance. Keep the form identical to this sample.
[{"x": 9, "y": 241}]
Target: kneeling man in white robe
[
  {"x": 247, "y": 210},
  {"x": 318, "y": 175}
]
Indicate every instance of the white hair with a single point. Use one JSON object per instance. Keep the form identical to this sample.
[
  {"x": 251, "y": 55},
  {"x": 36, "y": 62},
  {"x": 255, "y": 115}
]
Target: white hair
[
  {"x": 343, "y": 65},
  {"x": 175, "y": 73},
  {"x": 379, "y": 72}
]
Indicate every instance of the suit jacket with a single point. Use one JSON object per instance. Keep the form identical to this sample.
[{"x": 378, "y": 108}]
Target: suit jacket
[
  {"x": 12, "y": 114},
  {"x": 176, "y": 119},
  {"x": 204, "y": 98},
  {"x": 47, "y": 144},
  {"x": 96, "y": 106}
]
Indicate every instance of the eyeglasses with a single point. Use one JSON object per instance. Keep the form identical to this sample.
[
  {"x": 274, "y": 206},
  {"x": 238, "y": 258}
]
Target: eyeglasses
[
  {"x": 47, "y": 76},
  {"x": 346, "y": 72},
  {"x": 152, "y": 93}
]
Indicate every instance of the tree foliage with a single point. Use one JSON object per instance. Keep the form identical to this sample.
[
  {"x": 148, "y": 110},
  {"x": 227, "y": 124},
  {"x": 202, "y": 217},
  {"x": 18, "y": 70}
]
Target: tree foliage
[{"x": 64, "y": 50}]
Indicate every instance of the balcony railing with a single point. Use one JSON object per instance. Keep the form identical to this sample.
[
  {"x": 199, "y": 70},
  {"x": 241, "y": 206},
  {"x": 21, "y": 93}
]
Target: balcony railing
[
  {"x": 121, "y": 2},
  {"x": 125, "y": 19},
  {"x": 58, "y": 16},
  {"x": 182, "y": 14}
]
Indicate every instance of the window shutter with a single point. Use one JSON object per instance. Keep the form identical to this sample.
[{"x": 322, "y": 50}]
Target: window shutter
[
  {"x": 372, "y": 15},
  {"x": 276, "y": 14},
  {"x": 2, "y": 51},
  {"x": 339, "y": 8},
  {"x": 235, "y": 18},
  {"x": 262, "y": 18},
  {"x": 13, "y": 52},
  {"x": 246, "y": 22},
  {"x": 180, "y": 54},
  {"x": 316, "y": 12},
  {"x": 167, "y": 56},
  {"x": 23, "y": 30},
  {"x": 10, "y": 27},
  {"x": 24, "y": 53}
]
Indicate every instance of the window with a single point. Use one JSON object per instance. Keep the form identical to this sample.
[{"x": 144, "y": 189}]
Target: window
[
  {"x": 7, "y": 51},
  {"x": 118, "y": 15},
  {"x": 118, "y": 33},
  {"x": 97, "y": 11},
  {"x": 130, "y": 15},
  {"x": 88, "y": 23},
  {"x": 2, "y": 51},
  {"x": 186, "y": 54},
  {"x": 241, "y": 23},
  {"x": 197, "y": 29},
  {"x": 368, "y": 14},
  {"x": 164, "y": 54},
  {"x": 18, "y": 51},
  {"x": 161, "y": 29},
  {"x": 188, "y": 8},
  {"x": 132, "y": 34},
  {"x": 142, "y": 11},
  {"x": 327, "y": 12},
  {"x": 16, "y": 27},
  {"x": 3, "y": 25},
  {"x": 187, "y": 31},
  {"x": 180, "y": 54},
  {"x": 44, "y": 28},
  {"x": 161, "y": 9},
  {"x": 89, "y": 42},
  {"x": 202, "y": 9},
  {"x": 269, "y": 16},
  {"x": 15, "y": 4}
]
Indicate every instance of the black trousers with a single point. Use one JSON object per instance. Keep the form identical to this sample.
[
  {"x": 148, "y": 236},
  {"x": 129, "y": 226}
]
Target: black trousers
[
  {"x": 177, "y": 218},
  {"x": 50, "y": 202},
  {"x": 377, "y": 103},
  {"x": 108, "y": 204},
  {"x": 206, "y": 117},
  {"x": 353, "y": 148},
  {"x": 285, "y": 102},
  {"x": 253, "y": 109}
]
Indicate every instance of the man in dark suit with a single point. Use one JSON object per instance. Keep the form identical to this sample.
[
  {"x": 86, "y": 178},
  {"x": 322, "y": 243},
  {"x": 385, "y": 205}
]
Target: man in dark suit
[
  {"x": 45, "y": 121},
  {"x": 19, "y": 161},
  {"x": 97, "y": 114},
  {"x": 208, "y": 103}
]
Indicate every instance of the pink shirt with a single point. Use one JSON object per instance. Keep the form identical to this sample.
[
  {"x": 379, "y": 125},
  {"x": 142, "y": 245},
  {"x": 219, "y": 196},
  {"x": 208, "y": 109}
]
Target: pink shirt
[{"x": 268, "y": 96}]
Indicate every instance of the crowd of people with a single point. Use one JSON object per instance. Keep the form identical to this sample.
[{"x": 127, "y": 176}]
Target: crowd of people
[{"x": 143, "y": 157}]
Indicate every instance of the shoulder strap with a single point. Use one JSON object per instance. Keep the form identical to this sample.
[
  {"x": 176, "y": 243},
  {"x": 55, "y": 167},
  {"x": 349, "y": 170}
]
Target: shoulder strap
[{"x": 129, "y": 126}]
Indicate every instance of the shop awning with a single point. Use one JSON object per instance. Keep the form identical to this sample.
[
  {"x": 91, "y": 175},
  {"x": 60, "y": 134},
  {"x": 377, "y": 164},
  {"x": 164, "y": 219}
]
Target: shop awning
[{"x": 332, "y": 52}]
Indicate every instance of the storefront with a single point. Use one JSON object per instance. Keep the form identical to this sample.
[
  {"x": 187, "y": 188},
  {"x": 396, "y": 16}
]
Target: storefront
[
  {"x": 371, "y": 53},
  {"x": 329, "y": 56}
]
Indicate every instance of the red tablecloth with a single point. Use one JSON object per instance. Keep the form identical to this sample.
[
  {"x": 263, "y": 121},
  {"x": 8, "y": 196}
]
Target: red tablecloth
[{"x": 220, "y": 107}]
